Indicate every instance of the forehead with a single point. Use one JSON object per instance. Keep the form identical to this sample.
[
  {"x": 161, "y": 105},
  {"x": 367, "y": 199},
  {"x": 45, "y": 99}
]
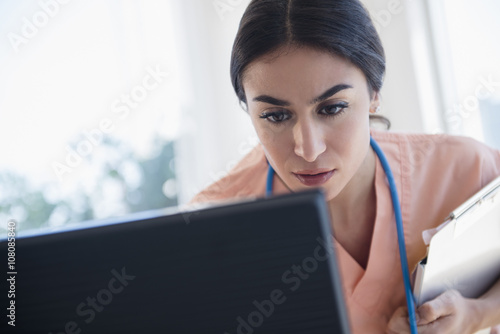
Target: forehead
[{"x": 300, "y": 73}]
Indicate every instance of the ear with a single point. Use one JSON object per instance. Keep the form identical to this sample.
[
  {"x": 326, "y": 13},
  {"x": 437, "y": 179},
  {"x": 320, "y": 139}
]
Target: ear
[{"x": 375, "y": 103}]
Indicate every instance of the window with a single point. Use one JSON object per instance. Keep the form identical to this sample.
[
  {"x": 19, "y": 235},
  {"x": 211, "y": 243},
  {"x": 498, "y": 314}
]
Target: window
[
  {"x": 466, "y": 42},
  {"x": 89, "y": 111}
]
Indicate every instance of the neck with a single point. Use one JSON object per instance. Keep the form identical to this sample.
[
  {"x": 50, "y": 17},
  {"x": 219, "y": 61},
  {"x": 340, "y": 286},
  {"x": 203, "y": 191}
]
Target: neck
[{"x": 355, "y": 204}]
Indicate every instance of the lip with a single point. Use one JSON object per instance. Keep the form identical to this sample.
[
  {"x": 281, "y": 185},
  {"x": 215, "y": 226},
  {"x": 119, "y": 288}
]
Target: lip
[{"x": 314, "y": 177}]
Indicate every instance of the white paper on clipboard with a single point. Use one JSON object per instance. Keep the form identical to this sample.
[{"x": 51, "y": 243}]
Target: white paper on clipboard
[{"x": 464, "y": 254}]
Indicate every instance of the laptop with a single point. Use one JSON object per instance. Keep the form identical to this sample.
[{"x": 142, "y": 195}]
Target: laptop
[{"x": 260, "y": 266}]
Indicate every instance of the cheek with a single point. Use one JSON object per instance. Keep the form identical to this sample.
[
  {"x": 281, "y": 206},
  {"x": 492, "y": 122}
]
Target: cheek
[
  {"x": 356, "y": 138},
  {"x": 277, "y": 144},
  {"x": 347, "y": 140}
]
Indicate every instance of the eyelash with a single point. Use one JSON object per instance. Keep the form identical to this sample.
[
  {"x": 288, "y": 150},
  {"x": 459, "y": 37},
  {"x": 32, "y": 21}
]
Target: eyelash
[{"x": 269, "y": 115}]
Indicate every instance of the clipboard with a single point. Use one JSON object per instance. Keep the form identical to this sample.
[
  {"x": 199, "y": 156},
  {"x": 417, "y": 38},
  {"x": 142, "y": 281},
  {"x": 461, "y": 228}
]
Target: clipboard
[{"x": 464, "y": 251}]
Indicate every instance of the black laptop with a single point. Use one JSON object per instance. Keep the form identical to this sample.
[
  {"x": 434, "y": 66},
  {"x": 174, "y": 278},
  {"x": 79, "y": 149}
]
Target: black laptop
[{"x": 262, "y": 266}]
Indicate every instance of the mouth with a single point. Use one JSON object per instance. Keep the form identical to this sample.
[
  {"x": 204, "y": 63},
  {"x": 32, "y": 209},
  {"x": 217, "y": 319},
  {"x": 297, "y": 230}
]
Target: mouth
[{"x": 314, "y": 177}]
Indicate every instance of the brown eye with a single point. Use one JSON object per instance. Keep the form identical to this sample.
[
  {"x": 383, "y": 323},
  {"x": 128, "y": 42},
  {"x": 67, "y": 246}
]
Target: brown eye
[
  {"x": 275, "y": 116},
  {"x": 333, "y": 109}
]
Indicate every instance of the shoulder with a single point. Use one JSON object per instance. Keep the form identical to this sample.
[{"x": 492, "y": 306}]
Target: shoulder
[
  {"x": 245, "y": 180},
  {"x": 434, "y": 175},
  {"x": 440, "y": 153}
]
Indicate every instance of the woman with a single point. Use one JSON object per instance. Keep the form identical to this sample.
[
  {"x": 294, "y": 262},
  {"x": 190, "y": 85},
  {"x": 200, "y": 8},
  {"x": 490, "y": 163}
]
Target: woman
[{"x": 309, "y": 75}]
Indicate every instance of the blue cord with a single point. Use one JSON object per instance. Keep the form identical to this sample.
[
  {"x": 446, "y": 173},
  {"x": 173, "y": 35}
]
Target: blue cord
[
  {"x": 410, "y": 299},
  {"x": 269, "y": 182}
]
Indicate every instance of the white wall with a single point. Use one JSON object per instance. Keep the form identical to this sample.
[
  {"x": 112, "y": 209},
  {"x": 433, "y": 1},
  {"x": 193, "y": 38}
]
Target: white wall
[
  {"x": 410, "y": 97},
  {"x": 218, "y": 132}
]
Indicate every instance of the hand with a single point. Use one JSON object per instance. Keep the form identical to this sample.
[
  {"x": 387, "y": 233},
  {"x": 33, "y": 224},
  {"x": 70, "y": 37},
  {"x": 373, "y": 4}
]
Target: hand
[{"x": 449, "y": 313}]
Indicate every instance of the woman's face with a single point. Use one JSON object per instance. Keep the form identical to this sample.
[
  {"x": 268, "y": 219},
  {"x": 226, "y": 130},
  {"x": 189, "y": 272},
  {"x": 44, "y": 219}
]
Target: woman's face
[{"x": 310, "y": 110}]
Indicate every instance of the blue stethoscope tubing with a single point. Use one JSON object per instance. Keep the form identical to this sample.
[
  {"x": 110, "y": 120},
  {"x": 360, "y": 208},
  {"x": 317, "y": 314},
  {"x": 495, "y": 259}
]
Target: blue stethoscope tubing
[{"x": 410, "y": 299}]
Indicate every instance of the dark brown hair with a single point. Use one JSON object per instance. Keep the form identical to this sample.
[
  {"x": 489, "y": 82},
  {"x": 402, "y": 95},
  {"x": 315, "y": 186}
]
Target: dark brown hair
[{"x": 340, "y": 27}]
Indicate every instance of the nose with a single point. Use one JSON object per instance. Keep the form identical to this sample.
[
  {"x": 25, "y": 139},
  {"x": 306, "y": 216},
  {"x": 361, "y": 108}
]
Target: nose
[{"x": 309, "y": 140}]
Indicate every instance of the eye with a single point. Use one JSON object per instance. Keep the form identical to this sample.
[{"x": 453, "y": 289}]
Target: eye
[
  {"x": 333, "y": 109},
  {"x": 275, "y": 116}
]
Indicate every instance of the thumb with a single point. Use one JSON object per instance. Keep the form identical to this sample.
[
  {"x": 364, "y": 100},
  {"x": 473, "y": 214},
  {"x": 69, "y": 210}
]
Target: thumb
[
  {"x": 437, "y": 308},
  {"x": 495, "y": 330}
]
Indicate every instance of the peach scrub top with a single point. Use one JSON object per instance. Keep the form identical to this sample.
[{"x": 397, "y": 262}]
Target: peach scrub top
[{"x": 434, "y": 174}]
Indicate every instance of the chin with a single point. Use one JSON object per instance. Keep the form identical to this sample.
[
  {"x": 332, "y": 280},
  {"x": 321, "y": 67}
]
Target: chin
[
  {"x": 330, "y": 190},
  {"x": 329, "y": 194}
]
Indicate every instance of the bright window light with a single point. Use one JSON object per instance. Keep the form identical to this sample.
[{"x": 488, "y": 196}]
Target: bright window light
[{"x": 88, "y": 110}]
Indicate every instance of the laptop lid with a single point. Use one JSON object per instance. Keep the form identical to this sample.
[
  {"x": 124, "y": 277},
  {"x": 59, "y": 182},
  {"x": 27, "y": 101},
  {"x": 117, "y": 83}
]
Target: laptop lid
[{"x": 262, "y": 266}]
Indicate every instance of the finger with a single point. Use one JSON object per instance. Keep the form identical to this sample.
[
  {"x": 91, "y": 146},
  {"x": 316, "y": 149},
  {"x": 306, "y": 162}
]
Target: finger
[
  {"x": 439, "y": 307},
  {"x": 441, "y": 325},
  {"x": 495, "y": 330},
  {"x": 399, "y": 322}
]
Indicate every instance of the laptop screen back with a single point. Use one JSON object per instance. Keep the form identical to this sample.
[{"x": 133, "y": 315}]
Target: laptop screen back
[{"x": 265, "y": 266}]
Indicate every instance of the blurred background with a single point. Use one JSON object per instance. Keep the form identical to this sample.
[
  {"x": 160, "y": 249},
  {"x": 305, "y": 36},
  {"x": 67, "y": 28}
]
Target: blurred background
[{"x": 119, "y": 106}]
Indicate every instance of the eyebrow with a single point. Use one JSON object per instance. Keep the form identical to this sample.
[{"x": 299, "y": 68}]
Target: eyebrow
[{"x": 282, "y": 103}]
